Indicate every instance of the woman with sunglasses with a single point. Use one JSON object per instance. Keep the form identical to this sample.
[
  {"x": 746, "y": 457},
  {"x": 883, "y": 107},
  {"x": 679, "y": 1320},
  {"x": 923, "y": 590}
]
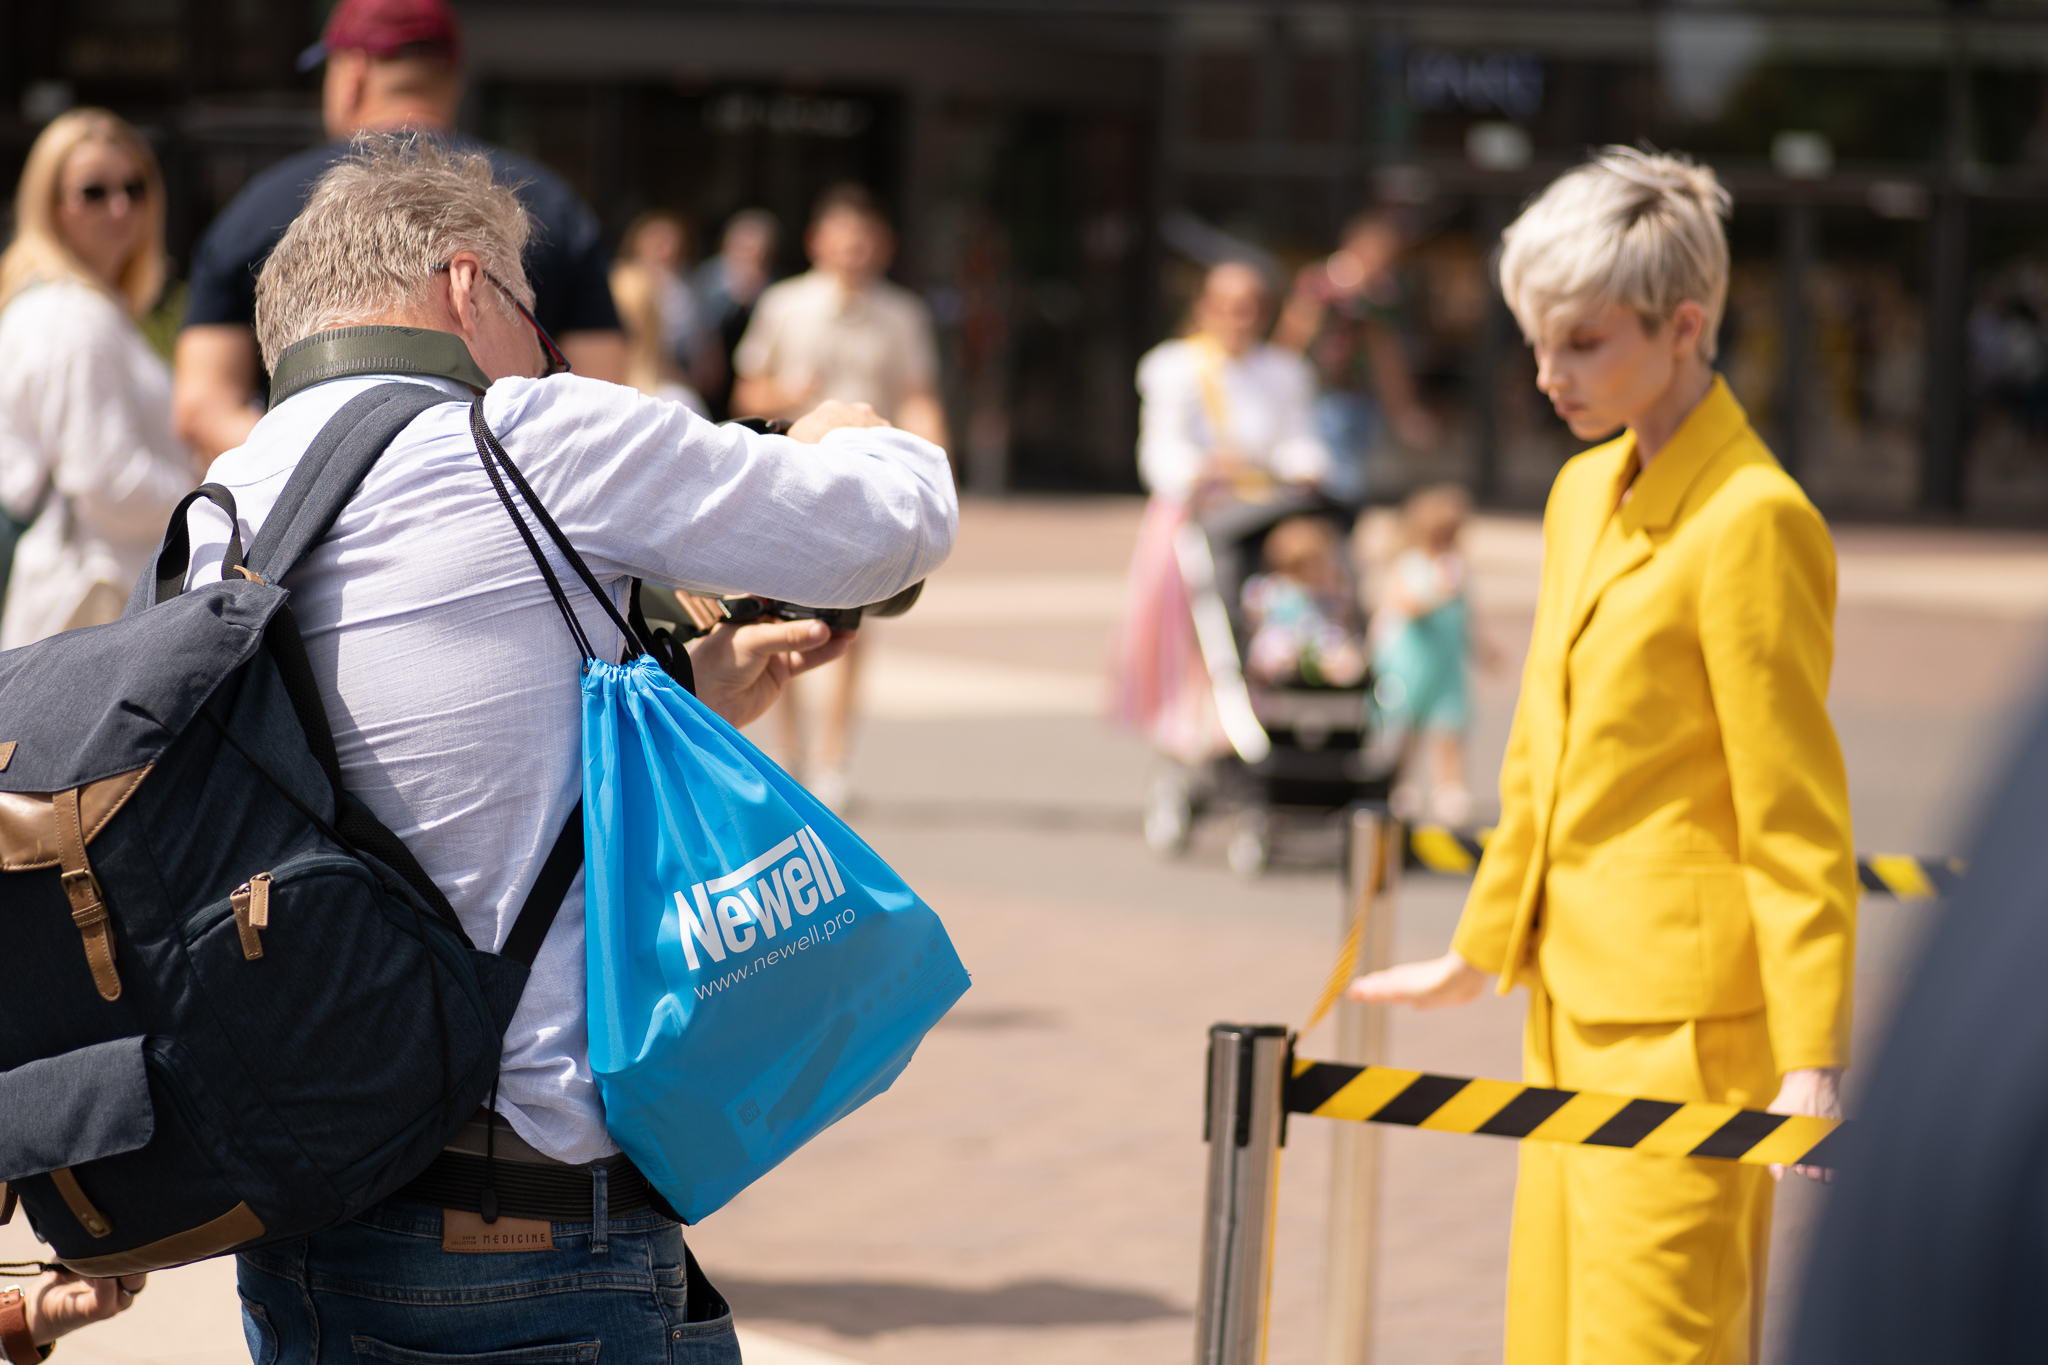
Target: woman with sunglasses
[{"x": 88, "y": 459}]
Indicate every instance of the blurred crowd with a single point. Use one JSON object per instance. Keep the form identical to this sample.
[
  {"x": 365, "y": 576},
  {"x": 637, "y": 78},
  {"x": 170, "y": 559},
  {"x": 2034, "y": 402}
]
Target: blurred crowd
[{"x": 100, "y": 438}]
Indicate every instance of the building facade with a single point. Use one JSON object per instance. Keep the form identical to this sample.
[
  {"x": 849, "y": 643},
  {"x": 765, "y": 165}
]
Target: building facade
[{"x": 1056, "y": 168}]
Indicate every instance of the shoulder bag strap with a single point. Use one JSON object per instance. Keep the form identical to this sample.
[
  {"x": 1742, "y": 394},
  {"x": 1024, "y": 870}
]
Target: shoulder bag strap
[
  {"x": 565, "y": 858},
  {"x": 321, "y": 484},
  {"x": 332, "y": 468},
  {"x": 633, "y": 626},
  {"x": 499, "y": 466}
]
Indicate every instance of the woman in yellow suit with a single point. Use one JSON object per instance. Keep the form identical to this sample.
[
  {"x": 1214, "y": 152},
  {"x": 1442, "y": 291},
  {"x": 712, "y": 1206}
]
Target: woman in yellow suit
[{"x": 1672, "y": 877}]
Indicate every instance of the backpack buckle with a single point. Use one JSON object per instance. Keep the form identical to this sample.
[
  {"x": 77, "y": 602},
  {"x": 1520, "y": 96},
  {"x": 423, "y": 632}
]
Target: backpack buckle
[{"x": 82, "y": 889}]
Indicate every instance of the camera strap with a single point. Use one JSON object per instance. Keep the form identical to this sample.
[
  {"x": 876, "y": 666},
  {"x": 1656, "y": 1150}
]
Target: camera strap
[{"x": 344, "y": 351}]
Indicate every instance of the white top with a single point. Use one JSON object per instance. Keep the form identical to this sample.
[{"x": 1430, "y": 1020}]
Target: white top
[
  {"x": 1429, "y": 582},
  {"x": 449, "y": 677},
  {"x": 1267, "y": 396},
  {"x": 872, "y": 347},
  {"x": 85, "y": 434}
]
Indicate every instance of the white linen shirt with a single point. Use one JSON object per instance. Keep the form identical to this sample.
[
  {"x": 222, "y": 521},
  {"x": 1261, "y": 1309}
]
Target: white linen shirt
[
  {"x": 1268, "y": 405},
  {"x": 447, "y": 672},
  {"x": 86, "y": 452}
]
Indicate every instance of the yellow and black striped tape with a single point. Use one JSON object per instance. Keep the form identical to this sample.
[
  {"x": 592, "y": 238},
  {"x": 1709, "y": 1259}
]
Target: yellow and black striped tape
[
  {"x": 1435, "y": 848},
  {"x": 1459, "y": 1104}
]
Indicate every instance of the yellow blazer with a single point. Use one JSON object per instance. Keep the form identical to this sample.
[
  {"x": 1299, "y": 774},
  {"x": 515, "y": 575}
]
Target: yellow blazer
[{"x": 1674, "y": 839}]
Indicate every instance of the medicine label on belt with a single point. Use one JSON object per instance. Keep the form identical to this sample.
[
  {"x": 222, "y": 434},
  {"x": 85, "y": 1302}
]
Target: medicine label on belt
[{"x": 468, "y": 1232}]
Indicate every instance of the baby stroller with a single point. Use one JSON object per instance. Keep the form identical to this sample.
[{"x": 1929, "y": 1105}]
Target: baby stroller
[{"x": 1299, "y": 753}]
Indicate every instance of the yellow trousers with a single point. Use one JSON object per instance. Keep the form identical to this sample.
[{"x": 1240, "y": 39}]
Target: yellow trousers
[{"x": 1623, "y": 1259}]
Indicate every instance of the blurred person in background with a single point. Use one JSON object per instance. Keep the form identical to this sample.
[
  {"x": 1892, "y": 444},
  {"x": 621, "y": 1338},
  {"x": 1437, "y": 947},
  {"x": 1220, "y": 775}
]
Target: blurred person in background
[
  {"x": 728, "y": 286},
  {"x": 650, "y": 361},
  {"x": 1221, "y": 411},
  {"x": 391, "y": 64},
  {"x": 840, "y": 331},
  {"x": 658, "y": 242},
  {"x": 1933, "y": 1245},
  {"x": 87, "y": 455},
  {"x": 1344, "y": 315},
  {"x": 1422, "y": 654},
  {"x": 1673, "y": 876}
]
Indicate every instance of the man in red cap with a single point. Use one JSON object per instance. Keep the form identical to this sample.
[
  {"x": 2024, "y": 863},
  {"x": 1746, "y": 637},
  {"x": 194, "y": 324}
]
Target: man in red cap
[{"x": 390, "y": 64}]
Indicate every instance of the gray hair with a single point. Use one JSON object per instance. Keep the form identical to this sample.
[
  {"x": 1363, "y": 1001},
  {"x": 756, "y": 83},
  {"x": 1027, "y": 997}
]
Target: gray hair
[
  {"x": 1630, "y": 227},
  {"x": 377, "y": 227}
]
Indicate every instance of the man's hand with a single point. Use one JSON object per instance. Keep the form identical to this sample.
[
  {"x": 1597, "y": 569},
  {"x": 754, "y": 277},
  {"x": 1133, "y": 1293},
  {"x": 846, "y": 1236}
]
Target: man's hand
[
  {"x": 1815, "y": 1091},
  {"x": 1441, "y": 981},
  {"x": 831, "y": 415},
  {"x": 61, "y": 1302},
  {"x": 741, "y": 670}
]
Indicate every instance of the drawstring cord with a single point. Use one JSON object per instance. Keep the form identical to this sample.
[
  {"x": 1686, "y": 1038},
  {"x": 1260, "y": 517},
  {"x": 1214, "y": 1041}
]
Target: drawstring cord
[{"x": 487, "y": 1202}]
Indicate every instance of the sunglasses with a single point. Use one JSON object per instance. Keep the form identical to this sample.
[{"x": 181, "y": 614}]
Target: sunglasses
[
  {"x": 134, "y": 191},
  {"x": 557, "y": 362}
]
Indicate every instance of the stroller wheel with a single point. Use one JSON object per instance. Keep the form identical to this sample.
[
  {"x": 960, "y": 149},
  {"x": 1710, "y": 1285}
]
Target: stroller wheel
[
  {"x": 1169, "y": 812},
  {"x": 1251, "y": 842}
]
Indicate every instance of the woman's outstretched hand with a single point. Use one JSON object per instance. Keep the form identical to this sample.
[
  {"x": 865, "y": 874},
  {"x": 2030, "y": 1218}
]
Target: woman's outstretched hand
[
  {"x": 1441, "y": 981},
  {"x": 1815, "y": 1091},
  {"x": 741, "y": 670}
]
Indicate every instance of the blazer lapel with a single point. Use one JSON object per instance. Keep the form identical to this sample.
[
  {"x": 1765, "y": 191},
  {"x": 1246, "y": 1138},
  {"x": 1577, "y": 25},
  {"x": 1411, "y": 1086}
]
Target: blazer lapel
[
  {"x": 1615, "y": 552},
  {"x": 1658, "y": 492}
]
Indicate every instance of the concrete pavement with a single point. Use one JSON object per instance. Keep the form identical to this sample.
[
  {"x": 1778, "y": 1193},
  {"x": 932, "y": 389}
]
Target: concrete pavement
[{"x": 1031, "y": 1188}]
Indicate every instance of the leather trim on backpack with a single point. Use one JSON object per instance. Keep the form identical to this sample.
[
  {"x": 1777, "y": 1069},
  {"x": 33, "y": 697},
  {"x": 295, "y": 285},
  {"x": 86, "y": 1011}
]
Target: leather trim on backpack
[
  {"x": 233, "y": 1228},
  {"x": 89, "y": 1217},
  {"x": 28, "y": 820}
]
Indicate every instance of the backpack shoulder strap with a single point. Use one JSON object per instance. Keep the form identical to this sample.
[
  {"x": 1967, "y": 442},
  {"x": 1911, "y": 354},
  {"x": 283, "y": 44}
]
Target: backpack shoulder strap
[
  {"x": 327, "y": 475},
  {"x": 544, "y": 900}
]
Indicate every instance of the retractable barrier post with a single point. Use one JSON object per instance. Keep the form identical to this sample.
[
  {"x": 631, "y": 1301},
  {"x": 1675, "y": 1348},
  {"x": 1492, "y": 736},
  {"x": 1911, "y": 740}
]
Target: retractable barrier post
[
  {"x": 1244, "y": 1130},
  {"x": 1374, "y": 843}
]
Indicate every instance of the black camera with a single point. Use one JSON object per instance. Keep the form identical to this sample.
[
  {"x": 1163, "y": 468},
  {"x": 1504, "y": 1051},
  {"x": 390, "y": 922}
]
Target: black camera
[
  {"x": 748, "y": 609},
  {"x": 662, "y": 609}
]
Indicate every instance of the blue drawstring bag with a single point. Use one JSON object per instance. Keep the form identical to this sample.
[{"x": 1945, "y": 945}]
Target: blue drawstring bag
[{"x": 756, "y": 971}]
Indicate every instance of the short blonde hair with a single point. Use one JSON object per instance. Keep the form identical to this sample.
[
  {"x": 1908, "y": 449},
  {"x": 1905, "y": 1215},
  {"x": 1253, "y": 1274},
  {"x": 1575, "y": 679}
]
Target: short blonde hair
[
  {"x": 1637, "y": 228},
  {"x": 39, "y": 254},
  {"x": 376, "y": 228}
]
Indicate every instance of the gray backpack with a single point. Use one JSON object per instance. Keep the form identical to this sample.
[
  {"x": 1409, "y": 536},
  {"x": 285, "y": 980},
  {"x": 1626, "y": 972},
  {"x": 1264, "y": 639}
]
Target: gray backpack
[{"x": 235, "y": 1008}]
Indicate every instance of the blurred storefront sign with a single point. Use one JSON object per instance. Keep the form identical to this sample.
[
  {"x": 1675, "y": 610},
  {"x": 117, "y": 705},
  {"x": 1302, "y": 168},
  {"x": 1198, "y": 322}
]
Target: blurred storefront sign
[{"x": 1060, "y": 169}]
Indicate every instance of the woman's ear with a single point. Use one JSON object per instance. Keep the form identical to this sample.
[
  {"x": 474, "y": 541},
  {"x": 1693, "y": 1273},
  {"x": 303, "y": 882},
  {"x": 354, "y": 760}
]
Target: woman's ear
[{"x": 1688, "y": 324}]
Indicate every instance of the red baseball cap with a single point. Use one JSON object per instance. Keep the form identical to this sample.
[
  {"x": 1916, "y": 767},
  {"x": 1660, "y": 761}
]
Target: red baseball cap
[{"x": 384, "y": 28}]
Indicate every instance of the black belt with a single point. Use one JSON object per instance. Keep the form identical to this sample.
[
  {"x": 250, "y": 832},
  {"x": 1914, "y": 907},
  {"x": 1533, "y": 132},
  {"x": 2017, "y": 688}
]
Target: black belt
[{"x": 557, "y": 1193}]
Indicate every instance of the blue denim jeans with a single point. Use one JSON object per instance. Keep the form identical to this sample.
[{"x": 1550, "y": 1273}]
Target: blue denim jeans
[{"x": 380, "y": 1288}]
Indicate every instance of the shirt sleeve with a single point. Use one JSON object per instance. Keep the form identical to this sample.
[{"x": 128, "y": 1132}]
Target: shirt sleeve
[
  {"x": 1169, "y": 405},
  {"x": 572, "y": 271},
  {"x": 222, "y": 284},
  {"x": 1298, "y": 453},
  {"x": 1767, "y": 607},
  {"x": 759, "y": 347},
  {"x": 111, "y": 459},
  {"x": 1486, "y": 930},
  {"x": 649, "y": 489}
]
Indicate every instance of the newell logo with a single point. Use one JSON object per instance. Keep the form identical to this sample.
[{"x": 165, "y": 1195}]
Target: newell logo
[{"x": 796, "y": 875}]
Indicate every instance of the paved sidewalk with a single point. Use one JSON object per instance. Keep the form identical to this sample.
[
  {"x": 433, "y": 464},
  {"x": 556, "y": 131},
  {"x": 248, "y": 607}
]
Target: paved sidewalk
[{"x": 1031, "y": 1188}]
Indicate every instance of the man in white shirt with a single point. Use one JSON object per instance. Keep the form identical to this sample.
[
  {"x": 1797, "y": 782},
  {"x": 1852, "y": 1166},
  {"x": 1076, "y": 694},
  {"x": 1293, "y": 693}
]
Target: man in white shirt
[
  {"x": 452, "y": 685},
  {"x": 840, "y": 331}
]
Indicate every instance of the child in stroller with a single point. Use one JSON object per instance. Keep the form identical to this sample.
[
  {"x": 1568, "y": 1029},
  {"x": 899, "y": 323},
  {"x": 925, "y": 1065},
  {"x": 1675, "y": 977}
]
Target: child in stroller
[
  {"x": 1275, "y": 605},
  {"x": 1303, "y": 610}
]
